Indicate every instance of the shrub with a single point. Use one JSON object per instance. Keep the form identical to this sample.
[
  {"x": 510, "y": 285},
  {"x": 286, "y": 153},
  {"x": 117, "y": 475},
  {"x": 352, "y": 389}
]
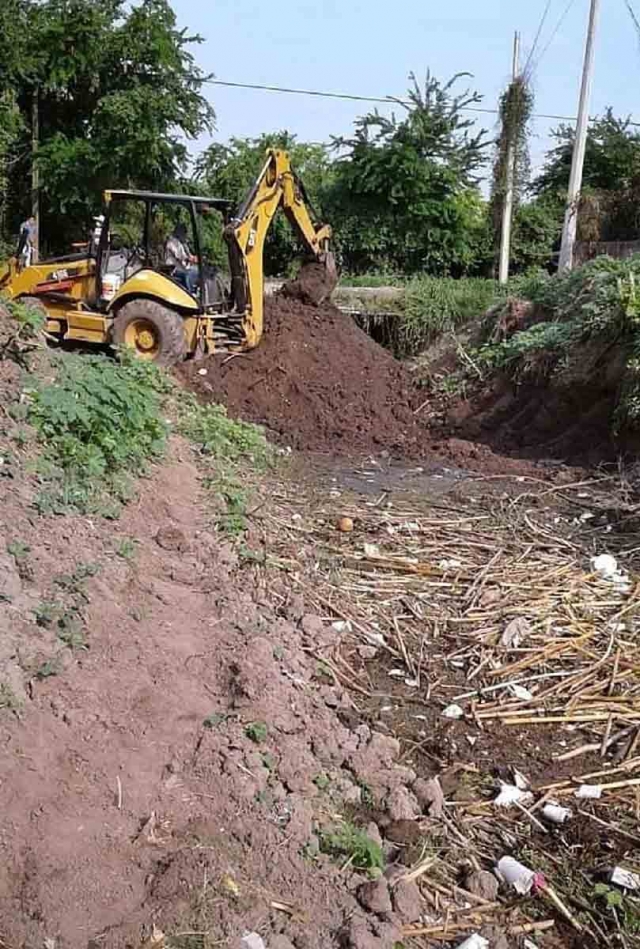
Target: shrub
[{"x": 99, "y": 421}]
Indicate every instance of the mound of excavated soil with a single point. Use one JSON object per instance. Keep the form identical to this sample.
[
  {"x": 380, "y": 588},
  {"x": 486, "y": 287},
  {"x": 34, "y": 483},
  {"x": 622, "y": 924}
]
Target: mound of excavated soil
[{"x": 316, "y": 381}]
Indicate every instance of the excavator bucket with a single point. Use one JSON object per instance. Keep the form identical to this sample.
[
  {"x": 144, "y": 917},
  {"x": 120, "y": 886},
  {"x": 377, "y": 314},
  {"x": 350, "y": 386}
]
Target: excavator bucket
[{"x": 315, "y": 281}]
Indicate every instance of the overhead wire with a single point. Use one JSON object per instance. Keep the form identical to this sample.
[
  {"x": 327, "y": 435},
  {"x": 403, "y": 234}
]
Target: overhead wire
[
  {"x": 633, "y": 16},
  {"x": 537, "y": 37},
  {"x": 554, "y": 33},
  {"x": 387, "y": 100}
]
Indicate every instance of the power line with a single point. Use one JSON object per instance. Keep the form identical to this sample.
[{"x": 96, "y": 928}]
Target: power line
[
  {"x": 387, "y": 100},
  {"x": 633, "y": 16},
  {"x": 554, "y": 33},
  {"x": 537, "y": 37}
]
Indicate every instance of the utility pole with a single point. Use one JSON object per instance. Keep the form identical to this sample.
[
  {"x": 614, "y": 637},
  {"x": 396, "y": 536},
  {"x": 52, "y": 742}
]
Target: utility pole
[
  {"x": 507, "y": 207},
  {"x": 577, "y": 161},
  {"x": 35, "y": 176}
]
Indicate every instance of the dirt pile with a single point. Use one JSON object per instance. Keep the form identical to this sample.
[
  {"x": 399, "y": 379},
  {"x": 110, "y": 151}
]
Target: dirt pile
[{"x": 317, "y": 382}]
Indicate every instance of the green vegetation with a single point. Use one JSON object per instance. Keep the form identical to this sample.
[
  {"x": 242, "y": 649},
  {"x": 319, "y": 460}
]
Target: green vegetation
[
  {"x": 127, "y": 548},
  {"x": 435, "y": 306},
  {"x": 8, "y": 698},
  {"x": 597, "y": 304},
  {"x": 256, "y": 732},
  {"x": 100, "y": 422},
  {"x": 352, "y": 843},
  {"x": 217, "y": 436},
  {"x": 622, "y": 908},
  {"x": 118, "y": 92}
]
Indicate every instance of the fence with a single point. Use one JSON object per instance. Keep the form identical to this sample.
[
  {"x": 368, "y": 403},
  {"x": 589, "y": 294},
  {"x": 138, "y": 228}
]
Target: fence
[{"x": 587, "y": 250}]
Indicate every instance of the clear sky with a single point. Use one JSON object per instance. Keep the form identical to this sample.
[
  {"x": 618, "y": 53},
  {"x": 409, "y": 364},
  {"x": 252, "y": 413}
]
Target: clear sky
[{"x": 368, "y": 47}]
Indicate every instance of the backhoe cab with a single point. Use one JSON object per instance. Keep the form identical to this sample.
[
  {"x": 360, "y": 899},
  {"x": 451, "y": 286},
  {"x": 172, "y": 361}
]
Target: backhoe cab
[{"x": 144, "y": 282}]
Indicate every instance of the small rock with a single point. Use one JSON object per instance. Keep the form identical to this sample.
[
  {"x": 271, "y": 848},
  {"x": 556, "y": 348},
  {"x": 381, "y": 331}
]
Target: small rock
[
  {"x": 402, "y": 804},
  {"x": 330, "y": 696},
  {"x": 373, "y": 833},
  {"x": 252, "y": 941},
  {"x": 375, "y": 897},
  {"x": 311, "y": 625},
  {"x": 483, "y": 884},
  {"x": 171, "y": 538},
  {"x": 430, "y": 796},
  {"x": 345, "y": 525},
  {"x": 407, "y": 901},
  {"x": 280, "y": 942},
  {"x": 496, "y": 936},
  {"x": 403, "y": 832},
  {"x": 367, "y": 652}
]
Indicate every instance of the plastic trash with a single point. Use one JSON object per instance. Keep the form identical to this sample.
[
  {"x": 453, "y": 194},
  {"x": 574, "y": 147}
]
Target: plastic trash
[
  {"x": 453, "y": 711},
  {"x": 588, "y": 792},
  {"x": 517, "y": 630},
  {"x": 625, "y": 878},
  {"x": 516, "y": 875},
  {"x": 556, "y": 814},
  {"x": 475, "y": 941},
  {"x": 510, "y": 794}
]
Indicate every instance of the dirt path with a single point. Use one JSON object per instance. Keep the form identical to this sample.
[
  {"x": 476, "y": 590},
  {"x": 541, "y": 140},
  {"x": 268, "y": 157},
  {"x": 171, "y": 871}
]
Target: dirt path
[{"x": 120, "y": 810}]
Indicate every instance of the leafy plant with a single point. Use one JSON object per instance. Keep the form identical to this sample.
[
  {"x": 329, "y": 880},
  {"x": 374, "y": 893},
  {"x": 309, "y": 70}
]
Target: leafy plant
[
  {"x": 98, "y": 421},
  {"x": 352, "y": 843},
  {"x": 8, "y": 698},
  {"x": 45, "y": 613},
  {"x": 127, "y": 548},
  {"x": 616, "y": 903},
  {"x": 71, "y": 630},
  {"x": 256, "y": 732},
  {"x": 217, "y": 436},
  {"x": 18, "y": 549}
]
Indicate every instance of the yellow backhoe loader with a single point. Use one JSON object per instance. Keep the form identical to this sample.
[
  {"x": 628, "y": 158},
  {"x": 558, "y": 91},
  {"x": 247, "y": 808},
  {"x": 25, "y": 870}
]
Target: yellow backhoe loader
[{"x": 142, "y": 283}]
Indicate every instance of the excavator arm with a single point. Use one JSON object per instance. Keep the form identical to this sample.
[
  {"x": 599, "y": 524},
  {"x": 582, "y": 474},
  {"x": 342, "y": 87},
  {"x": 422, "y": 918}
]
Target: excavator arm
[{"x": 276, "y": 186}]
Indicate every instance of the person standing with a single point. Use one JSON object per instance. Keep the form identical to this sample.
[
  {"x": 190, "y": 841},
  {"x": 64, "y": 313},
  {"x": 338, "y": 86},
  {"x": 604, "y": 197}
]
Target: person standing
[{"x": 27, "y": 242}]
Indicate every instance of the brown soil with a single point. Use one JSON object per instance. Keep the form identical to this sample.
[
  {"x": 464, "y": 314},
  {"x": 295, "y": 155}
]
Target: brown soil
[
  {"x": 131, "y": 793},
  {"x": 317, "y": 382},
  {"x": 567, "y": 415}
]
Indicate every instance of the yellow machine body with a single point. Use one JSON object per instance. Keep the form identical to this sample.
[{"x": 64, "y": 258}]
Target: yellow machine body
[{"x": 69, "y": 287}]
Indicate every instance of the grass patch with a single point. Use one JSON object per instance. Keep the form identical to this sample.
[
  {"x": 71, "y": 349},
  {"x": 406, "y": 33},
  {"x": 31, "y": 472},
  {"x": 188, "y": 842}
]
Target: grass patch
[
  {"x": 433, "y": 306},
  {"x": 8, "y": 698},
  {"x": 351, "y": 843},
  {"x": 127, "y": 548}
]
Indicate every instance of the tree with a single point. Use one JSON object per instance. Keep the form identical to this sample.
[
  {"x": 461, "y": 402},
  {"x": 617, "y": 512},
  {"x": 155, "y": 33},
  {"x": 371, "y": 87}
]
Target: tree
[
  {"x": 228, "y": 171},
  {"x": 610, "y": 199},
  {"x": 118, "y": 92},
  {"x": 611, "y": 162},
  {"x": 405, "y": 193}
]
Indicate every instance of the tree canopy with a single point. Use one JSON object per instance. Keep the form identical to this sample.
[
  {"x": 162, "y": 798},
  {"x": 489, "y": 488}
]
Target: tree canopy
[
  {"x": 404, "y": 195},
  {"x": 118, "y": 93}
]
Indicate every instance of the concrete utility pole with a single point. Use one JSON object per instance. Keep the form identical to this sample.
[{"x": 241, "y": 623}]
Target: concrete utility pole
[
  {"x": 507, "y": 208},
  {"x": 577, "y": 161}
]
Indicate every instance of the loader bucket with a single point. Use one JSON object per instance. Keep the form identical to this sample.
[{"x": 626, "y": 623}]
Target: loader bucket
[{"x": 315, "y": 281}]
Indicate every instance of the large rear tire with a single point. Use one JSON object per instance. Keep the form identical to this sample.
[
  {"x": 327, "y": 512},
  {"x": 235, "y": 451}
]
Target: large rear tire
[{"x": 153, "y": 331}]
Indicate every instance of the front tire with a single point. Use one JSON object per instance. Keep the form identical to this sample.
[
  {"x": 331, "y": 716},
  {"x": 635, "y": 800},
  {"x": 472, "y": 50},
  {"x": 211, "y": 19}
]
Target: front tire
[{"x": 152, "y": 331}]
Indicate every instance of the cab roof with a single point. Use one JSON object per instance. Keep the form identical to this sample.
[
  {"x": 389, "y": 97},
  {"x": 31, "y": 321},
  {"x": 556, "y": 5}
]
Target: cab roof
[{"x": 117, "y": 195}]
